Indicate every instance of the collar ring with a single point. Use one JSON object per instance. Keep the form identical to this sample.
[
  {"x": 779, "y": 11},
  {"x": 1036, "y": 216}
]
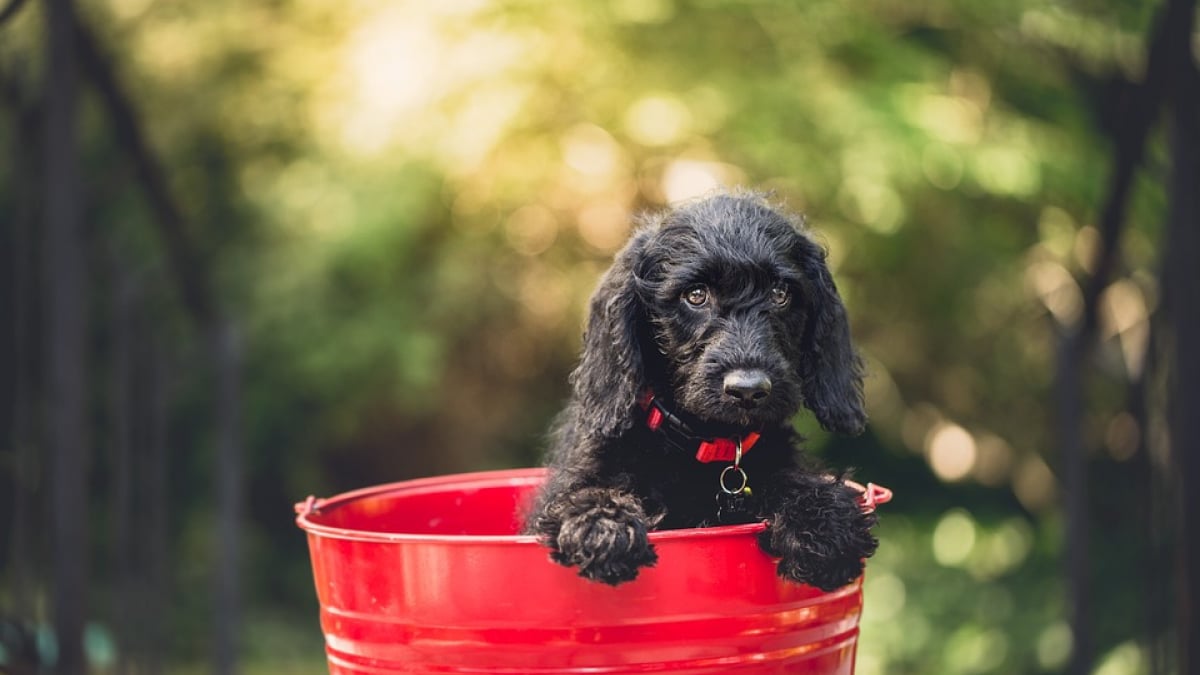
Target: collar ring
[{"x": 738, "y": 473}]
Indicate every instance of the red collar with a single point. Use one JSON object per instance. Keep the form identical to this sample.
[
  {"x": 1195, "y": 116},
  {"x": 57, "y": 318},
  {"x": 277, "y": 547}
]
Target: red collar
[{"x": 722, "y": 449}]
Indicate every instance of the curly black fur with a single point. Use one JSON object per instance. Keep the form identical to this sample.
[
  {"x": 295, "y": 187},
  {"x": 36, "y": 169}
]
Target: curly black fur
[{"x": 767, "y": 306}]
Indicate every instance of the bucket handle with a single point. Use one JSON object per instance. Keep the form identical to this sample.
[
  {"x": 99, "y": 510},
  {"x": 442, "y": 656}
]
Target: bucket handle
[
  {"x": 871, "y": 495},
  {"x": 310, "y": 505}
]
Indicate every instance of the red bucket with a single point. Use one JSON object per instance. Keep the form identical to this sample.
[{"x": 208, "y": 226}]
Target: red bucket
[{"x": 429, "y": 576}]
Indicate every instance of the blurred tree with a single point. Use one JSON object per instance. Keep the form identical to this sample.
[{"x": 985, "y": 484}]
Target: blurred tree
[
  {"x": 1182, "y": 279},
  {"x": 65, "y": 271},
  {"x": 1138, "y": 111}
]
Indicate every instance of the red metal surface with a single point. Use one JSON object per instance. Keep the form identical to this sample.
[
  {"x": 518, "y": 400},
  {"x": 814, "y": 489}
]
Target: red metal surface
[{"x": 428, "y": 576}]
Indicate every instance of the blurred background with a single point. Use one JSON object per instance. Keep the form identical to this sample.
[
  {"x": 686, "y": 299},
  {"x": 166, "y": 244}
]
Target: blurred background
[{"x": 258, "y": 251}]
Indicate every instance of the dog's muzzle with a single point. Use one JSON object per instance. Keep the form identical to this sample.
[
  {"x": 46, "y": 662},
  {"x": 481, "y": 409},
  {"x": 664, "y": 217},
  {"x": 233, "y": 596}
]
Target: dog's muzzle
[{"x": 747, "y": 388}]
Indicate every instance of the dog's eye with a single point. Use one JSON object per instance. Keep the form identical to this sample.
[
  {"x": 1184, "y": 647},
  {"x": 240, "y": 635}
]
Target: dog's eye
[
  {"x": 781, "y": 296},
  {"x": 697, "y": 296}
]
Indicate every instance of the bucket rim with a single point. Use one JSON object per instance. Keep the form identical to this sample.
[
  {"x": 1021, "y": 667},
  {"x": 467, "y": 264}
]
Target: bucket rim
[{"x": 478, "y": 479}]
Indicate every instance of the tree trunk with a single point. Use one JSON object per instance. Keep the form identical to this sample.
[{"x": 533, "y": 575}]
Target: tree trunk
[
  {"x": 121, "y": 378},
  {"x": 157, "y": 528},
  {"x": 23, "y": 353},
  {"x": 225, "y": 348},
  {"x": 1074, "y": 469},
  {"x": 1182, "y": 293},
  {"x": 66, "y": 310}
]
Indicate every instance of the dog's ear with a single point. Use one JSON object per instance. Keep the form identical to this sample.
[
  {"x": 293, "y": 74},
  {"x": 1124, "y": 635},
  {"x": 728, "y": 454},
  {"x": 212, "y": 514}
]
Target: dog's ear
[
  {"x": 831, "y": 370},
  {"x": 610, "y": 376}
]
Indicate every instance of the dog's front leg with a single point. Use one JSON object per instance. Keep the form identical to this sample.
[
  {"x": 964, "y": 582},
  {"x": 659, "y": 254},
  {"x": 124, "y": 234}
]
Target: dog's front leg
[
  {"x": 600, "y": 530},
  {"x": 817, "y": 529}
]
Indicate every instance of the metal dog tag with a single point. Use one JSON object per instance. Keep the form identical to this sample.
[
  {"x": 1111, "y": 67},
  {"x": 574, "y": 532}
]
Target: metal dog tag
[
  {"x": 733, "y": 499},
  {"x": 734, "y": 508}
]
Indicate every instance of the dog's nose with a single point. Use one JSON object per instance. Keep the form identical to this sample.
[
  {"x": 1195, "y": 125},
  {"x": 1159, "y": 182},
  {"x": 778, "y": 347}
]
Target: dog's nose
[{"x": 749, "y": 387}]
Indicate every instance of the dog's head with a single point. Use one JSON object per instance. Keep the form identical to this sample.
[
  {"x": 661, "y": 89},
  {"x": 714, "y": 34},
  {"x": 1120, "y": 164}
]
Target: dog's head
[{"x": 727, "y": 305}]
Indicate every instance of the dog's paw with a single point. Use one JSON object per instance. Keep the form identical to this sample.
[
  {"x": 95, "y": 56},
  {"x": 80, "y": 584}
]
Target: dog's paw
[
  {"x": 821, "y": 542},
  {"x": 825, "y": 571},
  {"x": 605, "y": 536},
  {"x": 604, "y": 549}
]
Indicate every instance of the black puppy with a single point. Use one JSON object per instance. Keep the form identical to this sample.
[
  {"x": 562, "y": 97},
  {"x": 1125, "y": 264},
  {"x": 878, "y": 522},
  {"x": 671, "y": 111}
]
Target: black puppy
[{"x": 715, "y": 324}]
